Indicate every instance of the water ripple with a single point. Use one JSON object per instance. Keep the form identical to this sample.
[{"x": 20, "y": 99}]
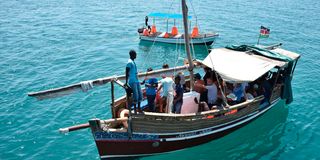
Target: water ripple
[{"x": 46, "y": 44}]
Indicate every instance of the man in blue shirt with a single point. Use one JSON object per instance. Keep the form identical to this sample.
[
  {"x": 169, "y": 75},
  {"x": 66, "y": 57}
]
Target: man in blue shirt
[
  {"x": 151, "y": 84},
  {"x": 239, "y": 92},
  {"x": 132, "y": 75}
]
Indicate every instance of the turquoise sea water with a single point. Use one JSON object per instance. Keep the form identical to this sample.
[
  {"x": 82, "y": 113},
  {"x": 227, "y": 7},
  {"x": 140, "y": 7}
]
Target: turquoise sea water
[{"x": 46, "y": 44}]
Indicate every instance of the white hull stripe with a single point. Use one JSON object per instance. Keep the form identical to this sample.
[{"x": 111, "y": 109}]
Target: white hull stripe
[
  {"x": 178, "y": 40},
  {"x": 131, "y": 155}
]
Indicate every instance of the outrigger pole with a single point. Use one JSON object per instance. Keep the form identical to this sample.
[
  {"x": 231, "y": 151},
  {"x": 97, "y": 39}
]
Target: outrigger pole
[
  {"x": 65, "y": 90},
  {"x": 187, "y": 43}
]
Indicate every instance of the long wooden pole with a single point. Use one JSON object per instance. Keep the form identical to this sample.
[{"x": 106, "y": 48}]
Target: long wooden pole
[
  {"x": 74, "y": 128},
  {"x": 258, "y": 39},
  {"x": 112, "y": 96},
  {"x": 66, "y": 90},
  {"x": 187, "y": 43},
  {"x": 87, "y": 125}
]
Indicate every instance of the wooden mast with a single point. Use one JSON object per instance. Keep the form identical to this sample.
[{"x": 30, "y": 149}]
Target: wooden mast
[{"x": 187, "y": 43}]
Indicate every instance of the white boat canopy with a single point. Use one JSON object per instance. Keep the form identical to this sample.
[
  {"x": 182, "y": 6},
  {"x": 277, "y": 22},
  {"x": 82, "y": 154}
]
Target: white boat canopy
[{"x": 236, "y": 66}]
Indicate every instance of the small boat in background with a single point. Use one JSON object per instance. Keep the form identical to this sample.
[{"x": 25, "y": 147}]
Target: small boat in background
[{"x": 148, "y": 33}]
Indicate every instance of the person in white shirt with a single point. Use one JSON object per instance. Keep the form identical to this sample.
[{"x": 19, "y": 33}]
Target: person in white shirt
[
  {"x": 212, "y": 93},
  {"x": 167, "y": 86}
]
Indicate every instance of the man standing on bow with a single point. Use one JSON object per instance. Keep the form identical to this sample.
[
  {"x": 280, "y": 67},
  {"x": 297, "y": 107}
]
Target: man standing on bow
[{"x": 134, "y": 84}]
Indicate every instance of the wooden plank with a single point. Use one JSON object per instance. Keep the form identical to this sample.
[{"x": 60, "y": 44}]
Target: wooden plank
[
  {"x": 66, "y": 90},
  {"x": 169, "y": 123}
]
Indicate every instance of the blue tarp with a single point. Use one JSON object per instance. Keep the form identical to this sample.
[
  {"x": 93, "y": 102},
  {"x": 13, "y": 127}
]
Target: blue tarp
[{"x": 167, "y": 15}]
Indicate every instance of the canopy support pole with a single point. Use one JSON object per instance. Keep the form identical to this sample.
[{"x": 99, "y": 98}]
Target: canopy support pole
[
  {"x": 220, "y": 86},
  {"x": 274, "y": 84},
  {"x": 167, "y": 25},
  {"x": 112, "y": 97},
  {"x": 258, "y": 40}
]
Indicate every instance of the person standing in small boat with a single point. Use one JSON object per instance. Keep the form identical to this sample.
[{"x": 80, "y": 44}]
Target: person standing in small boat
[{"x": 132, "y": 79}]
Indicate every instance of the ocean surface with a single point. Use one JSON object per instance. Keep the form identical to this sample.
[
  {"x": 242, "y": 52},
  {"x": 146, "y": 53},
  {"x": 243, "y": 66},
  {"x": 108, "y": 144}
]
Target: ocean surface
[{"x": 46, "y": 44}]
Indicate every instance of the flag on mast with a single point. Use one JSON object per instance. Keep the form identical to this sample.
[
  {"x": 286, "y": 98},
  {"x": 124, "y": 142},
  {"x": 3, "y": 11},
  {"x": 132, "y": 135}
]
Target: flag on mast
[{"x": 264, "y": 32}]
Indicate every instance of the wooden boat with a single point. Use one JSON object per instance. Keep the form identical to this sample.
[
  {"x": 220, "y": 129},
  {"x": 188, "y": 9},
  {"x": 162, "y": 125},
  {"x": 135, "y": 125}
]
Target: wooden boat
[
  {"x": 174, "y": 37},
  {"x": 130, "y": 135}
]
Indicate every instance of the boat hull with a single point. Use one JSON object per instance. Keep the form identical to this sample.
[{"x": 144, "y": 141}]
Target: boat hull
[
  {"x": 208, "y": 40},
  {"x": 115, "y": 145}
]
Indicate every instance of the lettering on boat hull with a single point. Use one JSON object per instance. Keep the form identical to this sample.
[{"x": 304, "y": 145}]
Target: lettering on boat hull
[{"x": 123, "y": 136}]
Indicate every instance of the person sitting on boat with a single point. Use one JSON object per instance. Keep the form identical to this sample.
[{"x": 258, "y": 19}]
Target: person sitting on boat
[
  {"x": 257, "y": 90},
  {"x": 212, "y": 92},
  {"x": 178, "y": 98},
  {"x": 208, "y": 74},
  {"x": 167, "y": 93},
  {"x": 183, "y": 80},
  {"x": 203, "y": 106},
  {"x": 149, "y": 29},
  {"x": 145, "y": 32},
  {"x": 132, "y": 79},
  {"x": 266, "y": 86},
  {"x": 239, "y": 92},
  {"x": 250, "y": 92},
  {"x": 151, "y": 84},
  {"x": 198, "y": 83}
]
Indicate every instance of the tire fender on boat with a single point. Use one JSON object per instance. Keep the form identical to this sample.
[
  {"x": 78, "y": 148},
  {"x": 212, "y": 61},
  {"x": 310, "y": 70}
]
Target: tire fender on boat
[{"x": 124, "y": 113}]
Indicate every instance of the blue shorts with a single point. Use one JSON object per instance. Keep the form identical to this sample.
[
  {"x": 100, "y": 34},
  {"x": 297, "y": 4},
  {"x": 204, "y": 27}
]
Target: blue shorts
[{"x": 137, "y": 93}]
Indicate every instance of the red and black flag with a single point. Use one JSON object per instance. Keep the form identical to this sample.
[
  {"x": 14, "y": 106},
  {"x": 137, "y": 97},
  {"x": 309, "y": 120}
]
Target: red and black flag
[{"x": 264, "y": 32}]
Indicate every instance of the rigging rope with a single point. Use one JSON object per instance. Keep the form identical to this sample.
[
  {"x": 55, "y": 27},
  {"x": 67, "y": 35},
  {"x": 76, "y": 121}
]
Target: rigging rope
[
  {"x": 220, "y": 86},
  {"x": 202, "y": 37}
]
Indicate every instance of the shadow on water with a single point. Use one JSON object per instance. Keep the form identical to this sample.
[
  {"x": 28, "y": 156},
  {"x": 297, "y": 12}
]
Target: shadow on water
[{"x": 252, "y": 141}]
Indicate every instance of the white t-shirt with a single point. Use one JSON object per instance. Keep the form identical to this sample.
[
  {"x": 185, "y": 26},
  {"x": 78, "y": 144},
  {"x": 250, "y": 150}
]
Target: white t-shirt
[
  {"x": 212, "y": 93},
  {"x": 167, "y": 86}
]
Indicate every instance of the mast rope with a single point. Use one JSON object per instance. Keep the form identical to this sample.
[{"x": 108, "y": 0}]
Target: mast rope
[
  {"x": 196, "y": 16},
  {"x": 218, "y": 79}
]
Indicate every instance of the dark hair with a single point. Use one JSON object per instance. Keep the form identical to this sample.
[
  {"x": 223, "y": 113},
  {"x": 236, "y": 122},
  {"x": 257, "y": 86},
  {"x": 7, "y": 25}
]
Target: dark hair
[
  {"x": 165, "y": 65},
  {"x": 132, "y": 52},
  {"x": 197, "y": 76},
  {"x": 149, "y": 69},
  {"x": 207, "y": 68},
  {"x": 177, "y": 77}
]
